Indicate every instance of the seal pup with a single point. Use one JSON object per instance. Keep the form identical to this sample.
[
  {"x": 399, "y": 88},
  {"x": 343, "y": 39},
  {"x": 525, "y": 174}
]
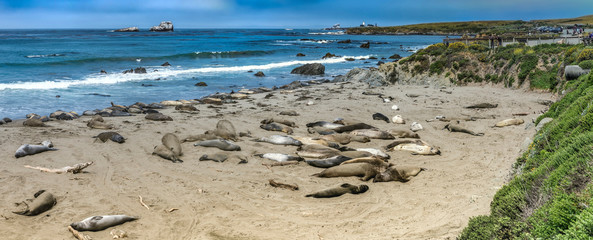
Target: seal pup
[
  {"x": 402, "y": 174},
  {"x": 456, "y": 128},
  {"x": 381, "y": 117},
  {"x": 98, "y": 223},
  {"x": 172, "y": 142},
  {"x": 221, "y": 144},
  {"x": 217, "y": 157},
  {"x": 277, "y": 120},
  {"x": 42, "y": 202},
  {"x": 328, "y": 162},
  {"x": 364, "y": 170},
  {"x": 28, "y": 149},
  {"x": 324, "y": 124},
  {"x": 224, "y": 129},
  {"x": 483, "y": 105},
  {"x": 113, "y": 136},
  {"x": 415, "y": 127},
  {"x": 280, "y": 140},
  {"x": 316, "y": 151},
  {"x": 276, "y": 127},
  {"x": 509, "y": 122},
  {"x": 279, "y": 157},
  {"x": 404, "y": 134},
  {"x": 372, "y": 133},
  {"x": 166, "y": 153},
  {"x": 353, "y": 127},
  {"x": 339, "y": 191}
]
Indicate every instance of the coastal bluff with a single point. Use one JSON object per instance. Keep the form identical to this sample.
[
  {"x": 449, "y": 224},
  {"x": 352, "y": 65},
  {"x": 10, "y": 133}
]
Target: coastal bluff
[{"x": 165, "y": 26}]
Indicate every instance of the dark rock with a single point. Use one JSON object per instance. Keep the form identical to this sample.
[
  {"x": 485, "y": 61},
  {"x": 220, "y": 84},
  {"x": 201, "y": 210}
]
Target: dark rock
[
  {"x": 128, "y": 71},
  {"x": 165, "y": 26},
  {"x": 349, "y": 59},
  {"x": 373, "y": 77},
  {"x": 130, "y": 29},
  {"x": 300, "y": 55},
  {"x": 380, "y": 62},
  {"x": 310, "y": 69},
  {"x": 328, "y": 55},
  {"x": 166, "y": 64},
  {"x": 7, "y": 120},
  {"x": 259, "y": 74},
  {"x": 140, "y": 70},
  {"x": 395, "y": 56},
  {"x": 372, "y": 57},
  {"x": 293, "y": 85},
  {"x": 201, "y": 84},
  {"x": 345, "y": 41},
  {"x": 365, "y": 45},
  {"x": 103, "y": 71}
]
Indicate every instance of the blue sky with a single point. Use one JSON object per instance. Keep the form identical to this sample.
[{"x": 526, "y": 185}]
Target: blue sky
[{"x": 273, "y": 13}]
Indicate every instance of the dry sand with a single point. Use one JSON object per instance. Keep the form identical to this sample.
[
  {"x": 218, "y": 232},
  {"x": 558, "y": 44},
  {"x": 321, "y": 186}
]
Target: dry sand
[{"x": 234, "y": 201}]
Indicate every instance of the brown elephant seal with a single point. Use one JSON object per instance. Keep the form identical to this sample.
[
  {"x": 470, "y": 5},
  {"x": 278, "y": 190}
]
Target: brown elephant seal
[
  {"x": 456, "y": 128},
  {"x": 276, "y": 127},
  {"x": 158, "y": 117},
  {"x": 509, "y": 122},
  {"x": 417, "y": 147},
  {"x": 376, "y": 161},
  {"x": 483, "y": 105},
  {"x": 97, "y": 118},
  {"x": 324, "y": 124},
  {"x": 372, "y": 133},
  {"x": 280, "y": 140},
  {"x": 277, "y": 120},
  {"x": 224, "y": 129},
  {"x": 220, "y": 144},
  {"x": 356, "y": 154},
  {"x": 289, "y": 113},
  {"x": 364, "y": 170},
  {"x": 404, "y": 134},
  {"x": 98, "y": 223},
  {"x": 199, "y": 137},
  {"x": 113, "y": 136},
  {"x": 353, "y": 127},
  {"x": 99, "y": 124},
  {"x": 166, "y": 153},
  {"x": 339, "y": 191},
  {"x": 315, "y": 140},
  {"x": 279, "y": 157},
  {"x": 344, "y": 138},
  {"x": 380, "y": 117},
  {"x": 172, "y": 142},
  {"x": 186, "y": 108},
  {"x": 328, "y": 162},
  {"x": 29, "y": 149},
  {"x": 317, "y": 151},
  {"x": 401, "y": 174},
  {"x": 33, "y": 122},
  {"x": 217, "y": 157},
  {"x": 42, "y": 202},
  {"x": 320, "y": 130}
]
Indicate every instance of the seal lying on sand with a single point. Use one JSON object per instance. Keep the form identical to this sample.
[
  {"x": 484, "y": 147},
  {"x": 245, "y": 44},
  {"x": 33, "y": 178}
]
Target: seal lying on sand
[
  {"x": 402, "y": 174},
  {"x": 166, "y": 153},
  {"x": 98, "y": 223},
  {"x": 324, "y": 124},
  {"x": 319, "y": 141},
  {"x": 276, "y": 127},
  {"x": 317, "y": 151},
  {"x": 221, "y": 157},
  {"x": 280, "y": 140},
  {"x": 417, "y": 147},
  {"x": 279, "y": 157},
  {"x": 98, "y": 124},
  {"x": 372, "y": 133},
  {"x": 224, "y": 129},
  {"x": 320, "y": 130},
  {"x": 220, "y": 144},
  {"x": 113, "y": 136},
  {"x": 404, "y": 134},
  {"x": 158, "y": 117},
  {"x": 455, "y": 128},
  {"x": 170, "y": 148},
  {"x": 364, "y": 170},
  {"x": 344, "y": 138},
  {"x": 28, "y": 149},
  {"x": 199, "y": 137},
  {"x": 483, "y": 105},
  {"x": 509, "y": 122},
  {"x": 277, "y": 120},
  {"x": 353, "y": 127},
  {"x": 328, "y": 162},
  {"x": 381, "y": 117},
  {"x": 339, "y": 191},
  {"x": 33, "y": 122},
  {"x": 42, "y": 202}
]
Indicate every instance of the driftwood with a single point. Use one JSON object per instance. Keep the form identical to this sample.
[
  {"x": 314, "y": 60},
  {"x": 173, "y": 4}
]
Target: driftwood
[
  {"x": 142, "y": 202},
  {"x": 521, "y": 114},
  {"x": 76, "y": 168},
  {"x": 281, "y": 163},
  {"x": 283, "y": 185},
  {"x": 78, "y": 235}
]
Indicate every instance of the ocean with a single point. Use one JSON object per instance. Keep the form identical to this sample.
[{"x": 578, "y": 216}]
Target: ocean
[{"x": 42, "y": 71}]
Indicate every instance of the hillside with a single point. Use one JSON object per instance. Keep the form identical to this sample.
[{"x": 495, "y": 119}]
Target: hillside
[{"x": 471, "y": 27}]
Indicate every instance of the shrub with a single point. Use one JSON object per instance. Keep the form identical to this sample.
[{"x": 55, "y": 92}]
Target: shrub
[
  {"x": 477, "y": 47},
  {"x": 586, "y": 54},
  {"x": 529, "y": 62},
  {"x": 435, "y": 49},
  {"x": 437, "y": 67},
  {"x": 456, "y": 47},
  {"x": 543, "y": 79},
  {"x": 518, "y": 51},
  {"x": 587, "y": 64}
]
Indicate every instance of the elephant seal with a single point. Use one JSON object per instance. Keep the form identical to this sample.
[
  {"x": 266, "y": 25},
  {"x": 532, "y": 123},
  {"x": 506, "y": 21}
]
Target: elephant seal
[
  {"x": 280, "y": 140},
  {"x": 320, "y": 130},
  {"x": 364, "y": 170},
  {"x": 402, "y": 174},
  {"x": 483, "y": 105},
  {"x": 98, "y": 223},
  {"x": 28, "y": 149},
  {"x": 33, "y": 122},
  {"x": 277, "y": 120},
  {"x": 415, "y": 127},
  {"x": 344, "y": 138},
  {"x": 316, "y": 151},
  {"x": 199, "y": 137},
  {"x": 339, "y": 191},
  {"x": 99, "y": 124},
  {"x": 353, "y": 127},
  {"x": 279, "y": 157},
  {"x": 381, "y": 117},
  {"x": 42, "y": 202},
  {"x": 224, "y": 129},
  {"x": 509, "y": 122},
  {"x": 404, "y": 134},
  {"x": 171, "y": 141},
  {"x": 218, "y": 157},
  {"x": 289, "y": 113},
  {"x": 375, "y": 152},
  {"x": 417, "y": 147},
  {"x": 220, "y": 144},
  {"x": 186, "y": 108},
  {"x": 158, "y": 117},
  {"x": 328, "y": 162},
  {"x": 113, "y": 136},
  {"x": 356, "y": 154},
  {"x": 166, "y": 153},
  {"x": 455, "y": 128},
  {"x": 318, "y": 141},
  {"x": 325, "y": 124},
  {"x": 276, "y": 127},
  {"x": 372, "y": 133}
]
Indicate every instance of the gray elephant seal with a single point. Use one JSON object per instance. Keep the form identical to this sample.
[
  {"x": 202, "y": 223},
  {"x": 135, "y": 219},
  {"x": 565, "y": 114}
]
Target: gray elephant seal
[
  {"x": 220, "y": 144},
  {"x": 158, "y": 117},
  {"x": 344, "y": 138},
  {"x": 401, "y": 174},
  {"x": 317, "y": 151},
  {"x": 279, "y": 157},
  {"x": 224, "y": 129},
  {"x": 280, "y": 140},
  {"x": 98, "y": 124},
  {"x": 455, "y": 128},
  {"x": 276, "y": 127},
  {"x": 171, "y": 141},
  {"x": 381, "y": 117},
  {"x": 328, "y": 162},
  {"x": 277, "y": 120},
  {"x": 372, "y": 133},
  {"x": 42, "y": 202},
  {"x": 98, "y": 223},
  {"x": 28, "y": 149},
  {"x": 166, "y": 153},
  {"x": 113, "y": 136},
  {"x": 417, "y": 147},
  {"x": 199, "y": 137},
  {"x": 364, "y": 170},
  {"x": 353, "y": 127},
  {"x": 218, "y": 157},
  {"x": 339, "y": 191},
  {"x": 483, "y": 105},
  {"x": 289, "y": 113},
  {"x": 320, "y": 130},
  {"x": 404, "y": 134}
]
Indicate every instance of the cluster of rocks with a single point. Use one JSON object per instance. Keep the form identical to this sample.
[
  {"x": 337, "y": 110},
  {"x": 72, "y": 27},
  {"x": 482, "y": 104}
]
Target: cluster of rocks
[
  {"x": 130, "y": 29},
  {"x": 5, "y": 120},
  {"x": 136, "y": 70},
  {"x": 165, "y": 26}
]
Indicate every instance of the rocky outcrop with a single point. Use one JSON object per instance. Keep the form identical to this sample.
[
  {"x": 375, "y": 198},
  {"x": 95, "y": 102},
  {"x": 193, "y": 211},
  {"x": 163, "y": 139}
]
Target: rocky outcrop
[
  {"x": 130, "y": 29},
  {"x": 395, "y": 56},
  {"x": 372, "y": 76},
  {"x": 365, "y": 45},
  {"x": 394, "y": 74},
  {"x": 328, "y": 55},
  {"x": 259, "y": 74},
  {"x": 310, "y": 69},
  {"x": 166, "y": 26},
  {"x": 345, "y": 41},
  {"x": 136, "y": 70},
  {"x": 300, "y": 55}
]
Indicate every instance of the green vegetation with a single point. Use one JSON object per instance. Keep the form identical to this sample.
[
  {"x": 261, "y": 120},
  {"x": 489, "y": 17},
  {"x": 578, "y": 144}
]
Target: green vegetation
[{"x": 551, "y": 194}]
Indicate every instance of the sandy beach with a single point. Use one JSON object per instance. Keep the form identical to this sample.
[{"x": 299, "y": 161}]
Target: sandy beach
[{"x": 235, "y": 201}]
